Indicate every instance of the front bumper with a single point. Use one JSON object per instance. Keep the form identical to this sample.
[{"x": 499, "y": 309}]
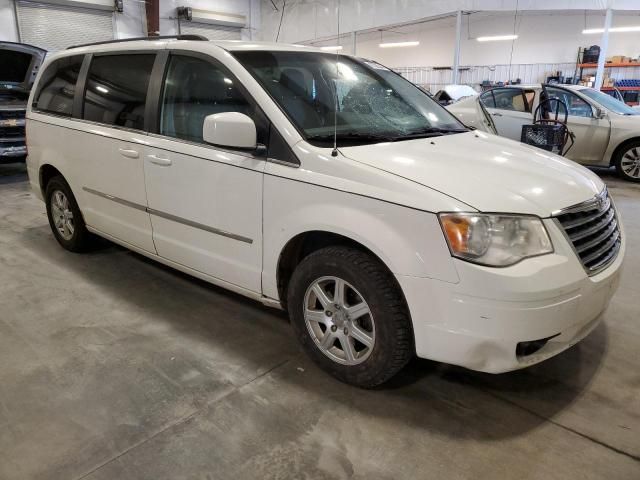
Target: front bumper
[{"x": 479, "y": 322}]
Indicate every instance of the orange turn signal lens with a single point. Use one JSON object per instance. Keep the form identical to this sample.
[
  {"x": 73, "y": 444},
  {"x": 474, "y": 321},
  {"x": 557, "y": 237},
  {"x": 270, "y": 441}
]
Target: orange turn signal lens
[{"x": 457, "y": 230}]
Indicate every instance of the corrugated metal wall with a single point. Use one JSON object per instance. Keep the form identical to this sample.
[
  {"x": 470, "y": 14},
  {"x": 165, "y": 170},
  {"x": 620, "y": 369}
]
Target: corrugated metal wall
[
  {"x": 212, "y": 32},
  {"x": 55, "y": 27},
  {"x": 434, "y": 79}
]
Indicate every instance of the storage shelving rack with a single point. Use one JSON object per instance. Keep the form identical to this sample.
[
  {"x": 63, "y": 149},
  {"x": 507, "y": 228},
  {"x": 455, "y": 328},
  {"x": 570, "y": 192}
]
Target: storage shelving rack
[{"x": 584, "y": 66}]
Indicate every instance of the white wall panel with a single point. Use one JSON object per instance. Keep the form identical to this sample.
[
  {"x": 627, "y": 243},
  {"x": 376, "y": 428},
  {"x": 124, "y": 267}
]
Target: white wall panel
[
  {"x": 543, "y": 38},
  {"x": 8, "y": 27},
  {"x": 307, "y": 19},
  {"x": 132, "y": 22},
  {"x": 212, "y": 32},
  {"x": 249, "y": 8}
]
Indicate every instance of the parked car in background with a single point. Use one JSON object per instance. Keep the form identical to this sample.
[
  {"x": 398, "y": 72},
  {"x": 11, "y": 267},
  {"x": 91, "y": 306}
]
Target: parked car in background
[
  {"x": 454, "y": 93},
  {"x": 411, "y": 234},
  {"x": 19, "y": 64},
  {"x": 607, "y": 132}
]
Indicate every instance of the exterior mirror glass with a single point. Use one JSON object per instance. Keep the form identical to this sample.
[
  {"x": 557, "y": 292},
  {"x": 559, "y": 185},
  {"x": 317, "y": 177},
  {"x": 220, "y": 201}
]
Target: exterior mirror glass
[{"x": 229, "y": 129}]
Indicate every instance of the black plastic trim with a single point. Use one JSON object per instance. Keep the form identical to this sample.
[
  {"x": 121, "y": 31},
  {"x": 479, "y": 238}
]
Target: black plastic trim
[{"x": 154, "y": 91}]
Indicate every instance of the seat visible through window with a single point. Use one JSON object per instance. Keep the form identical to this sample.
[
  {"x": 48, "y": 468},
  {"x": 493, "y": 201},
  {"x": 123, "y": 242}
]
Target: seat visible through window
[{"x": 194, "y": 89}]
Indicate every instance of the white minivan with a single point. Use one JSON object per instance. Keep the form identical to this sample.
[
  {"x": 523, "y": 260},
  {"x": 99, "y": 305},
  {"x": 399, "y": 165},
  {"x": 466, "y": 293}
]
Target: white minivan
[{"x": 412, "y": 235}]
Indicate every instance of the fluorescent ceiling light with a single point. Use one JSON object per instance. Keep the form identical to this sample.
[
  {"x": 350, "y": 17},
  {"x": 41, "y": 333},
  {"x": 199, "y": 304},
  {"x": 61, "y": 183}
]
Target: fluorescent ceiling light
[
  {"x": 399, "y": 44},
  {"x": 332, "y": 48},
  {"x": 612, "y": 30},
  {"x": 497, "y": 38},
  {"x": 100, "y": 88}
]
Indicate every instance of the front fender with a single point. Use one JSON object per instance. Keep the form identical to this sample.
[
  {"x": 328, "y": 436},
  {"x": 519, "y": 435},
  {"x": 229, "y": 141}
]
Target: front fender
[{"x": 409, "y": 241}]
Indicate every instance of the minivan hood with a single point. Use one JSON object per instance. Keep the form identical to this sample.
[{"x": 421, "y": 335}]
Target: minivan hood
[
  {"x": 487, "y": 172},
  {"x": 20, "y": 63}
]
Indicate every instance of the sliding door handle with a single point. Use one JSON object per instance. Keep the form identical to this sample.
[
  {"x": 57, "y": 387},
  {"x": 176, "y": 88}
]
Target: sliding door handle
[
  {"x": 162, "y": 161},
  {"x": 125, "y": 152}
]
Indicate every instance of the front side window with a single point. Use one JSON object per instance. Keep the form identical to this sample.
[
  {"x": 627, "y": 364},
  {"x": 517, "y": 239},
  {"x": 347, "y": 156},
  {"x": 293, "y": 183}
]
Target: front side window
[
  {"x": 576, "y": 106},
  {"x": 195, "y": 88},
  {"x": 367, "y": 102},
  {"x": 117, "y": 89},
  {"x": 57, "y": 87}
]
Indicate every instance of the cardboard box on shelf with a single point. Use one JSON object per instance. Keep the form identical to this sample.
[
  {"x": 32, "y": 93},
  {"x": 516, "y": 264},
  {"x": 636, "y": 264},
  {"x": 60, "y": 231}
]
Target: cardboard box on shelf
[{"x": 618, "y": 59}]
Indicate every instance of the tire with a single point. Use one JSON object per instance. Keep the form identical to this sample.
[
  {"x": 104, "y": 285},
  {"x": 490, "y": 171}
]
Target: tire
[
  {"x": 627, "y": 161},
  {"x": 368, "y": 287},
  {"x": 58, "y": 195}
]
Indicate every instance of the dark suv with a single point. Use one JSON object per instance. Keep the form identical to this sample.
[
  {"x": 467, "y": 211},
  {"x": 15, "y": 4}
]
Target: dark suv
[{"x": 20, "y": 63}]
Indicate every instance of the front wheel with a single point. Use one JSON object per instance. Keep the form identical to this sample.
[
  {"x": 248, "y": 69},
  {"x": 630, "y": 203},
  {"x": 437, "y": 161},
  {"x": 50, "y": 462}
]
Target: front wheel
[
  {"x": 627, "y": 162},
  {"x": 348, "y": 312}
]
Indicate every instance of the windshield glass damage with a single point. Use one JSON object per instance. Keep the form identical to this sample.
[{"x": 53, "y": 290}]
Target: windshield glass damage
[{"x": 370, "y": 103}]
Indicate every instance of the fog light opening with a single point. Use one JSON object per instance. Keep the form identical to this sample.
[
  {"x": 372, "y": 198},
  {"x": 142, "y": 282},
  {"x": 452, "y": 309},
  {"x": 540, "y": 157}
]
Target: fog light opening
[{"x": 524, "y": 349}]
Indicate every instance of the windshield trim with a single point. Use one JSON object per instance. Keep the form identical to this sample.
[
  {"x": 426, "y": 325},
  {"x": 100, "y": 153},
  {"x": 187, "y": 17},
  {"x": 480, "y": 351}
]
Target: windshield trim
[
  {"x": 361, "y": 62},
  {"x": 602, "y": 105}
]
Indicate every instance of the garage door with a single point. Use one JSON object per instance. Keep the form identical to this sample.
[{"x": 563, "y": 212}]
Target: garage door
[
  {"x": 55, "y": 27},
  {"x": 212, "y": 32}
]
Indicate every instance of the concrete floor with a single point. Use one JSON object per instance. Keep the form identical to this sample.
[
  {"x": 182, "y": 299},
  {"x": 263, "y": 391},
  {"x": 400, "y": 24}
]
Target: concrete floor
[{"x": 114, "y": 367}]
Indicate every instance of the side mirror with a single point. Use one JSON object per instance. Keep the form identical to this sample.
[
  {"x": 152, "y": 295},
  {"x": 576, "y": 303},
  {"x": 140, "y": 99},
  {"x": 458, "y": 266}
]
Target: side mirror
[
  {"x": 230, "y": 129},
  {"x": 600, "y": 113}
]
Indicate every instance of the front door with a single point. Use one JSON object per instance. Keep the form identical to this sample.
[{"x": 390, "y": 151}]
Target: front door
[
  {"x": 591, "y": 133},
  {"x": 205, "y": 201}
]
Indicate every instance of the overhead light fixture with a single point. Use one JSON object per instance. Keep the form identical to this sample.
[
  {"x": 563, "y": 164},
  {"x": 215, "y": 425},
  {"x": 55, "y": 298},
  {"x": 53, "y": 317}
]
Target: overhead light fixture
[
  {"x": 612, "y": 30},
  {"x": 100, "y": 88},
  {"x": 399, "y": 44},
  {"x": 497, "y": 38},
  {"x": 332, "y": 48}
]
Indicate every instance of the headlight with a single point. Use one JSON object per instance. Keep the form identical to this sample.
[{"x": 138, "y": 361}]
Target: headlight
[{"x": 494, "y": 240}]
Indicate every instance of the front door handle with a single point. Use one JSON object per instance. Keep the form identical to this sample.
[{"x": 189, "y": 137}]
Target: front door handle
[
  {"x": 496, "y": 114},
  {"x": 129, "y": 153},
  {"x": 164, "y": 162}
]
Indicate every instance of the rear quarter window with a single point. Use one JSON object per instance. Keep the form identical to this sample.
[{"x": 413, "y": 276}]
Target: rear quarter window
[{"x": 57, "y": 86}]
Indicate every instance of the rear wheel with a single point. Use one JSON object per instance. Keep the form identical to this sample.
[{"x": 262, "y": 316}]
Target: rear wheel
[
  {"x": 65, "y": 217},
  {"x": 350, "y": 316},
  {"x": 627, "y": 161}
]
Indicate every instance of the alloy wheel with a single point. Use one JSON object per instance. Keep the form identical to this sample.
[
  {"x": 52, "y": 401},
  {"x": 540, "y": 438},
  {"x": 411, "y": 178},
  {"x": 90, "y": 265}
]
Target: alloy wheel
[
  {"x": 339, "y": 320},
  {"x": 62, "y": 215},
  {"x": 630, "y": 163}
]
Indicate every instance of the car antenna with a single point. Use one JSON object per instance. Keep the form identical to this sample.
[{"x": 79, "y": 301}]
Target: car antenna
[{"x": 334, "y": 152}]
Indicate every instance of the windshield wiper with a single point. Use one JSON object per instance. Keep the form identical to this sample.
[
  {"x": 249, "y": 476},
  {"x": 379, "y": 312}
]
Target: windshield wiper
[
  {"x": 359, "y": 137},
  {"x": 429, "y": 132},
  {"x": 352, "y": 137}
]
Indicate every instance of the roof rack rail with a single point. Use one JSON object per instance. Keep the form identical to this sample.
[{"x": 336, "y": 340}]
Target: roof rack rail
[{"x": 135, "y": 39}]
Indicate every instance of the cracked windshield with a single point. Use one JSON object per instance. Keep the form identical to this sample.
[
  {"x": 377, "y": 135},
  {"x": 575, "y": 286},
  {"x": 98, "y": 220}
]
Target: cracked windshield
[{"x": 367, "y": 102}]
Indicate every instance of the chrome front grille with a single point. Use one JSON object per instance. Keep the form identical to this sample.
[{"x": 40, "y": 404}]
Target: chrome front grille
[
  {"x": 6, "y": 132},
  {"x": 592, "y": 228},
  {"x": 12, "y": 114}
]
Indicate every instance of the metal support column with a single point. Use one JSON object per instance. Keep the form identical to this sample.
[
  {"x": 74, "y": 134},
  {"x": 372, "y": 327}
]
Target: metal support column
[
  {"x": 604, "y": 44},
  {"x": 456, "y": 51},
  {"x": 152, "y": 8},
  {"x": 353, "y": 42}
]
